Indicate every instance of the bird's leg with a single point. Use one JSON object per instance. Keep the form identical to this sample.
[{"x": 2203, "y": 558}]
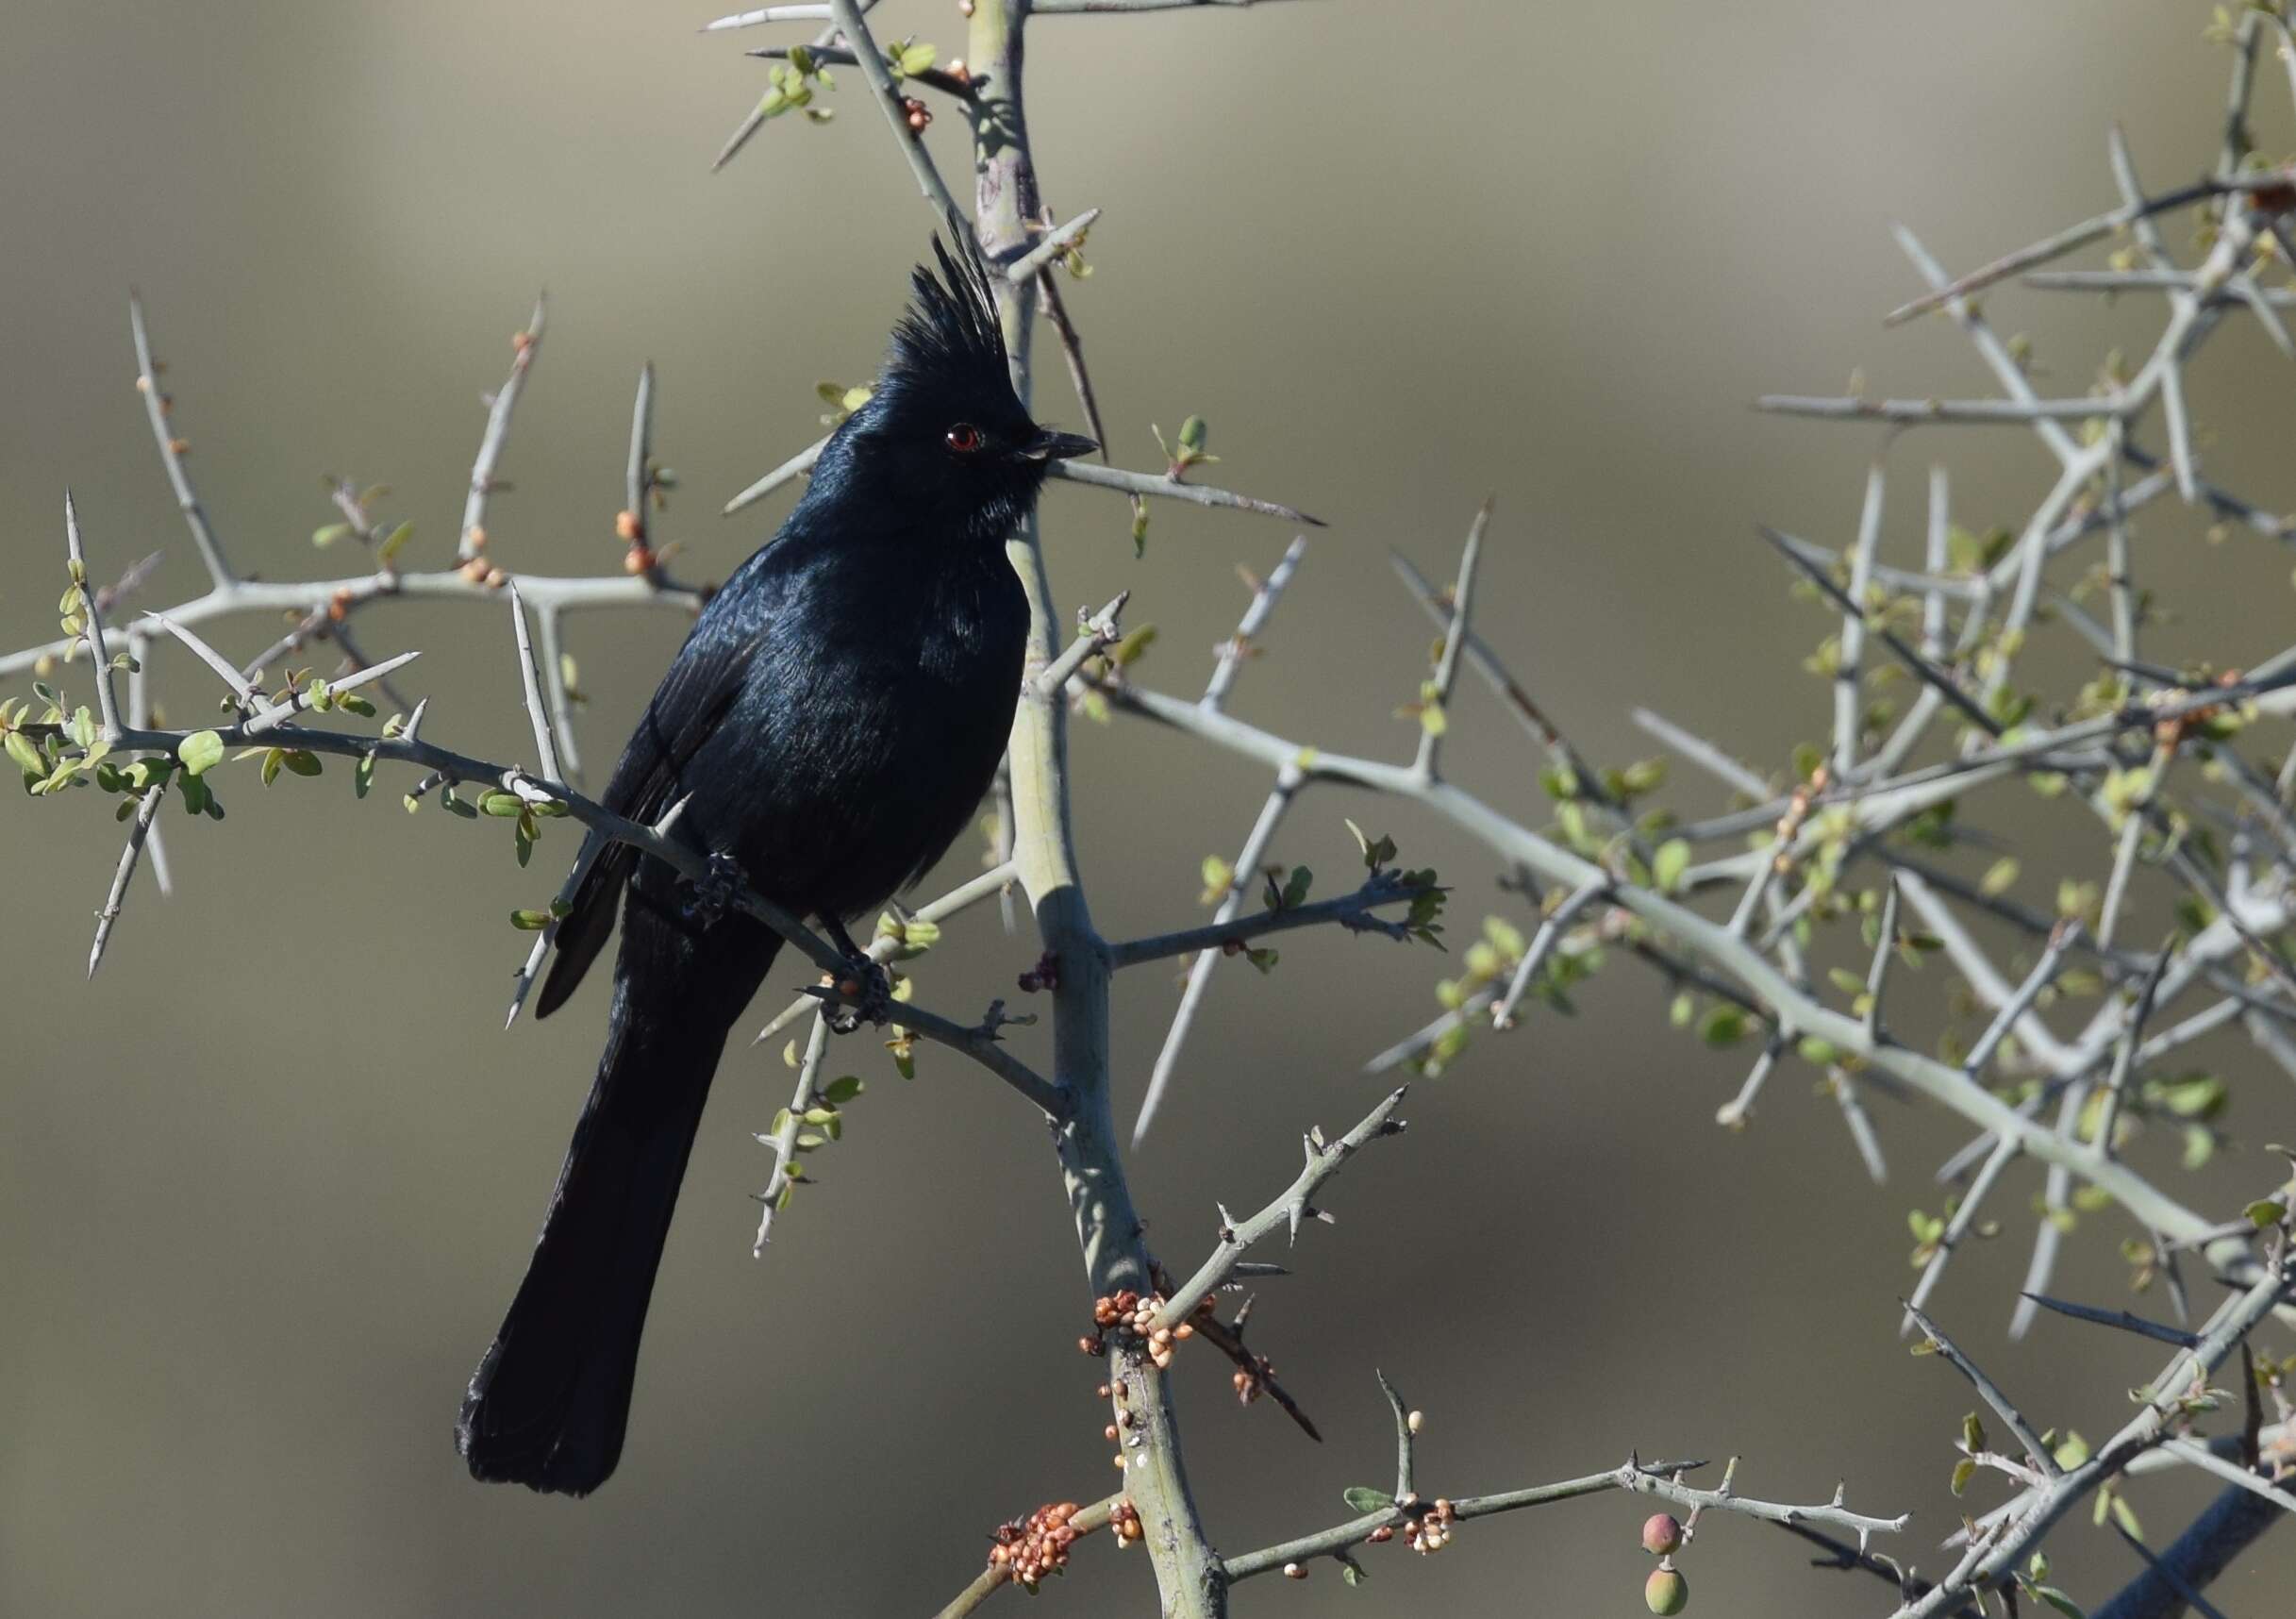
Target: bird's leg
[
  {"x": 866, "y": 987},
  {"x": 714, "y": 895}
]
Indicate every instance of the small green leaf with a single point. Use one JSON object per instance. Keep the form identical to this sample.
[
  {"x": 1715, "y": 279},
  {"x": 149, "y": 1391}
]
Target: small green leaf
[
  {"x": 1668, "y": 863},
  {"x": 393, "y": 543},
  {"x": 2059, "y": 1601},
  {"x": 200, "y": 752},
  {"x": 2266, "y": 1212},
  {"x": 1363, "y": 1498},
  {"x": 529, "y": 921}
]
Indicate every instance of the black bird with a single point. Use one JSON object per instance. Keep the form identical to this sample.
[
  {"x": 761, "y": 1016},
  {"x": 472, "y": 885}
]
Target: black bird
[{"x": 831, "y": 723}]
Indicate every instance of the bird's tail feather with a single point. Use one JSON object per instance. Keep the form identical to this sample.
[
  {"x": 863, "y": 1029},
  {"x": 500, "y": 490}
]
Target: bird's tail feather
[{"x": 548, "y": 1403}]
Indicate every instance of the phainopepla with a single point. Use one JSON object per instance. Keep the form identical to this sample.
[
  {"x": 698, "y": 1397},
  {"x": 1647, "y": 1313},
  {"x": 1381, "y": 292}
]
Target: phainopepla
[{"x": 831, "y": 723}]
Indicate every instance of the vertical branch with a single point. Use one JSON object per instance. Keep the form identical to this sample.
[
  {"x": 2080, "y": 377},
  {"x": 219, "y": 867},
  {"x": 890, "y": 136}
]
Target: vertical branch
[
  {"x": 1456, "y": 638},
  {"x": 138, "y": 718},
  {"x": 107, "y": 701},
  {"x": 2118, "y": 579},
  {"x": 1848, "y": 696},
  {"x": 637, "y": 481},
  {"x": 553, "y": 650},
  {"x": 530, "y": 682},
  {"x": 1108, "y": 1228}
]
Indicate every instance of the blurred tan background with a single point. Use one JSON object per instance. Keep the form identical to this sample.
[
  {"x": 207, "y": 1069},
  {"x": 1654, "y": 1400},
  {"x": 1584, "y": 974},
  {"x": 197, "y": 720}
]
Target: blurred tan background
[{"x": 266, "y": 1185}]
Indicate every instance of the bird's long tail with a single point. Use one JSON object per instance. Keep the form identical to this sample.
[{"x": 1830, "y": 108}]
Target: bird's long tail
[{"x": 548, "y": 1405}]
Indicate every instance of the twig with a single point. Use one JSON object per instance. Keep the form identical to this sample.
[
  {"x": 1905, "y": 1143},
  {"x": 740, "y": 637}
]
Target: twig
[
  {"x": 1286, "y": 1211},
  {"x": 847, "y": 16},
  {"x": 2041, "y": 1457},
  {"x": 2071, "y": 239},
  {"x": 1166, "y": 487},
  {"x": 784, "y": 1141},
  {"x": 1351, "y": 912},
  {"x": 1455, "y": 646},
  {"x": 525, "y": 346},
  {"x": 157, "y": 405},
  {"x": 1288, "y": 780},
  {"x": 108, "y": 706},
  {"x": 1657, "y": 1478},
  {"x": 1050, "y": 247},
  {"x": 1095, "y": 634},
  {"x": 796, "y": 466},
  {"x": 1256, "y": 612}
]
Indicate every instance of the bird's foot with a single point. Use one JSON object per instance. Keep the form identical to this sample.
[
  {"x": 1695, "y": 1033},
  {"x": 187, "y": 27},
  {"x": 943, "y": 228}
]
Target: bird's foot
[
  {"x": 863, "y": 986},
  {"x": 865, "y": 991},
  {"x": 714, "y": 895}
]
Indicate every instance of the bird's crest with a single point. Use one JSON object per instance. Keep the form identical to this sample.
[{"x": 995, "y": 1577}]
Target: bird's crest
[{"x": 952, "y": 326}]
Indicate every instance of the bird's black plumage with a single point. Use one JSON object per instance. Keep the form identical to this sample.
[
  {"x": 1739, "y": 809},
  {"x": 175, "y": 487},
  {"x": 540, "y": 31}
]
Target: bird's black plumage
[{"x": 831, "y": 722}]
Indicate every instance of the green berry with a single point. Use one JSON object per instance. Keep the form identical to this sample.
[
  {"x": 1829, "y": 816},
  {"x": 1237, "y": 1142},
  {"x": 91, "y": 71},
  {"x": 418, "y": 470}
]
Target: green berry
[{"x": 1666, "y": 1592}]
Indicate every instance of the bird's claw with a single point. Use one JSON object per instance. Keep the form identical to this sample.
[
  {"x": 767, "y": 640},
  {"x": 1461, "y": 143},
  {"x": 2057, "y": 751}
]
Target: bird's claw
[
  {"x": 713, "y": 896},
  {"x": 865, "y": 991}
]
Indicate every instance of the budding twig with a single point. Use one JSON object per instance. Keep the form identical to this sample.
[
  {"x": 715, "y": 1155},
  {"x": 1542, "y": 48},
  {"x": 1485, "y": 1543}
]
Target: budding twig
[{"x": 525, "y": 346}]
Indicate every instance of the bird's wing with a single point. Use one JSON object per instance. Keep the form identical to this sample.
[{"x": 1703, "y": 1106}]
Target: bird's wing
[{"x": 702, "y": 682}]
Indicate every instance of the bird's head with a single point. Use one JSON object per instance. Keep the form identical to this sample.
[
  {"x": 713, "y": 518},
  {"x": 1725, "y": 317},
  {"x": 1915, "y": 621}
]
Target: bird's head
[{"x": 942, "y": 430}]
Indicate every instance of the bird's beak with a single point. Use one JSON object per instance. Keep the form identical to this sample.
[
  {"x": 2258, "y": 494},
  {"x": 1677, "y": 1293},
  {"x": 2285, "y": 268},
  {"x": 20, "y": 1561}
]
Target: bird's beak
[{"x": 1051, "y": 446}]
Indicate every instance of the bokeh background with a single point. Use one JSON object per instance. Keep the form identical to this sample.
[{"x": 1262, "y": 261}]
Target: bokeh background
[{"x": 266, "y": 1185}]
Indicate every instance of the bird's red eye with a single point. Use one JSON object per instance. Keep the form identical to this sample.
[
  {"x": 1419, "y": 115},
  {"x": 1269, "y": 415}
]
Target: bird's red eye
[{"x": 964, "y": 438}]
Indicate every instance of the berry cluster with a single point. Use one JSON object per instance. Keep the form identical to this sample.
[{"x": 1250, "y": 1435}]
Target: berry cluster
[
  {"x": 1036, "y": 1545},
  {"x": 1431, "y": 1527},
  {"x": 630, "y": 529},
  {"x": 478, "y": 571},
  {"x": 1133, "y": 1314},
  {"x": 1029, "y": 1549}
]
